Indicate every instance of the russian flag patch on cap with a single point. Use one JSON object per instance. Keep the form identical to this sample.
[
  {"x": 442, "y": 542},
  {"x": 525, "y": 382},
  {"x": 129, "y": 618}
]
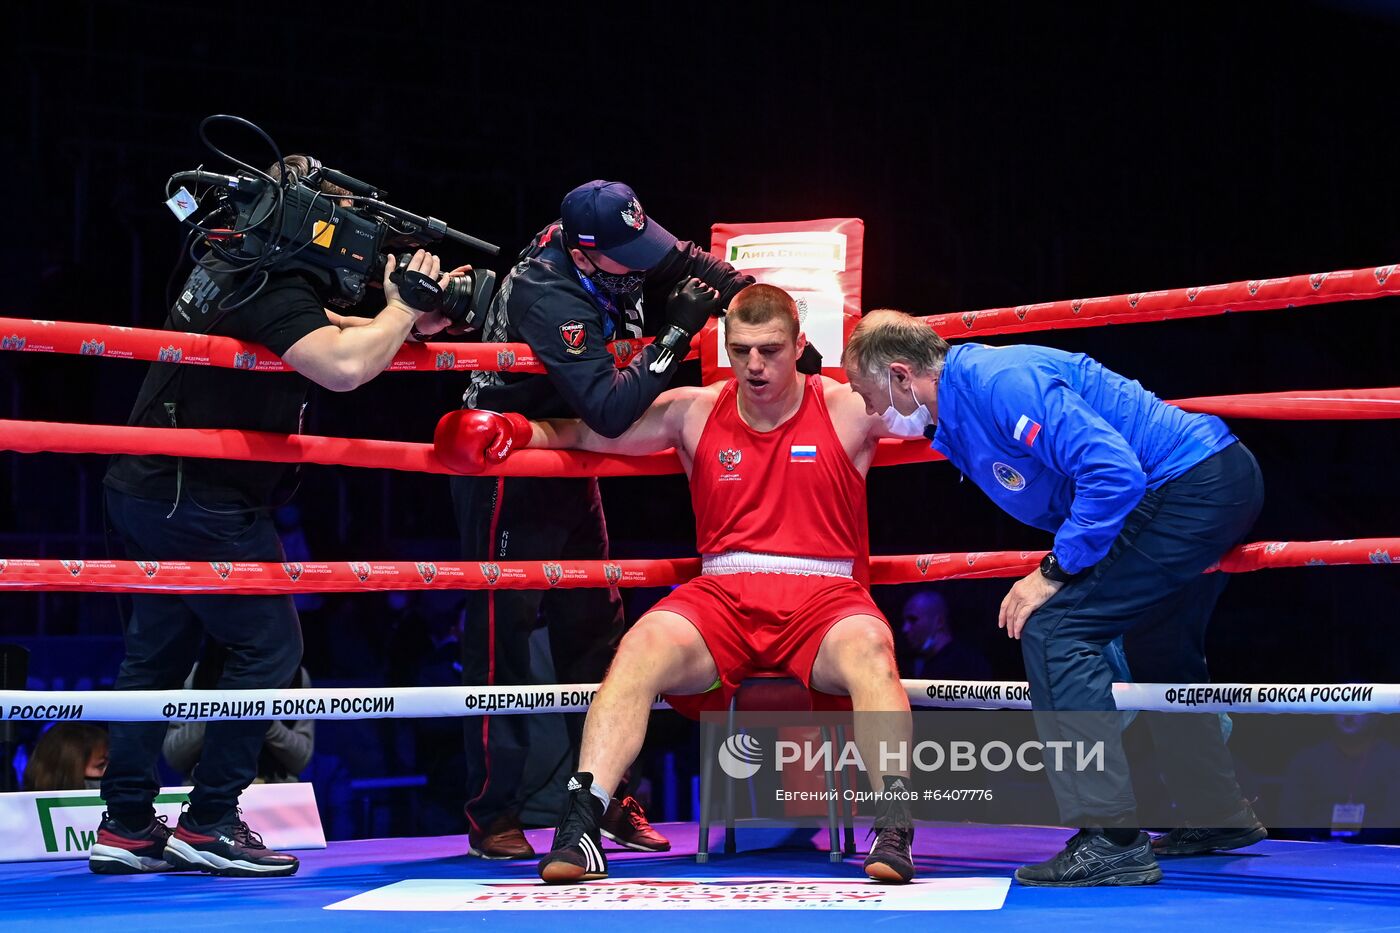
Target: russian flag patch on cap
[
  {"x": 1027, "y": 430},
  {"x": 585, "y": 239},
  {"x": 803, "y": 453}
]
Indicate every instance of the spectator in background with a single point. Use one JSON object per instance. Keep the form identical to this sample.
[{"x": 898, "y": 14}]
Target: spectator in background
[
  {"x": 1344, "y": 787},
  {"x": 68, "y": 756},
  {"x": 934, "y": 653},
  {"x": 286, "y": 750}
]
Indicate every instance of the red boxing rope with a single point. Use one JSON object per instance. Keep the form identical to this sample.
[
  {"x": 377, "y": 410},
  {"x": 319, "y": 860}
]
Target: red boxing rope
[
  {"x": 249, "y": 578},
  {"x": 1137, "y": 307},
  {"x": 228, "y": 444},
  {"x": 1338, "y": 405},
  {"x": 164, "y": 346},
  {"x": 1173, "y": 304}
]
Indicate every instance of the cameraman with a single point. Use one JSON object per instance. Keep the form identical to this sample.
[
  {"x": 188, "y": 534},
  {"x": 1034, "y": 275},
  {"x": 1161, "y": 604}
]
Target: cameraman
[
  {"x": 168, "y": 508},
  {"x": 576, "y": 287}
]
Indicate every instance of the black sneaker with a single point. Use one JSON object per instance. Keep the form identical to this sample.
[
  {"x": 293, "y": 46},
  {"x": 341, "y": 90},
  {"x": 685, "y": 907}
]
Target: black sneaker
[
  {"x": 225, "y": 848},
  {"x": 119, "y": 851},
  {"x": 1242, "y": 829},
  {"x": 577, "y": 852},
  {"x": 891, "y": 858},
  {"x": 1091, "y": 859}
]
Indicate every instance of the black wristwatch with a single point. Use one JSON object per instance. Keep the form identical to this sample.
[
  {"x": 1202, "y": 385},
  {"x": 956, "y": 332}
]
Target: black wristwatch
[{"x": 1050, "y": 569}]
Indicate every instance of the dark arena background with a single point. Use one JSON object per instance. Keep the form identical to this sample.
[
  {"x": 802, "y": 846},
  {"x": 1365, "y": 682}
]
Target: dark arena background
[{"x": 999, "y": 154}]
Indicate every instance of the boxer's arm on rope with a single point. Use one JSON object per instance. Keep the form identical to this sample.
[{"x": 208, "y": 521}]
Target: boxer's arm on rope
[{"x": 658, "y": 429}]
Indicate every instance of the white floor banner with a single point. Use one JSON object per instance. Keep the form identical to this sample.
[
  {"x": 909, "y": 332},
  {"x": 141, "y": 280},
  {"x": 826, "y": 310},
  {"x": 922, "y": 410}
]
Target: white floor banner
[
  {"x": 755, "y": 893},
  {"x": 62, "y": 824}
]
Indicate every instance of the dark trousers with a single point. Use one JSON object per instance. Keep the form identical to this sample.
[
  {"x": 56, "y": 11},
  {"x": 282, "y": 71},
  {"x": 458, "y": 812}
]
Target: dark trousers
[
  {"x": 163, "y": 636},
  {"x": 528, "y": 518},
  {"x": 1151, "y": 590}
]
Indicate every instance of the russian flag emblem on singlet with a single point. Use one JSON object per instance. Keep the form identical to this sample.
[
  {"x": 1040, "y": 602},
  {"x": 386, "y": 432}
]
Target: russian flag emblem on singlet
[{"x": 803, "y": 453}]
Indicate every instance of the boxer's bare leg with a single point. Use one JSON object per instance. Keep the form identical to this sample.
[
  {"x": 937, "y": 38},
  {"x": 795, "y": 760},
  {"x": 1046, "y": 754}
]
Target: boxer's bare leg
[
  {"x": 857, "y": 659},
  {"x": 663, "y": 653}
]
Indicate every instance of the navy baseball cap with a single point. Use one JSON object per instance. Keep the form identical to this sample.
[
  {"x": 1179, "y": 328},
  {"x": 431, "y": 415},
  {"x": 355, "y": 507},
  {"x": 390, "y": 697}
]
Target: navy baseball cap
[{"x": 606, "y": 216}]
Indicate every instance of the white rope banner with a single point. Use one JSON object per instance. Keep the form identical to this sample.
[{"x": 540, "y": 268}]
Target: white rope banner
[{"x": 437, "y": 702}]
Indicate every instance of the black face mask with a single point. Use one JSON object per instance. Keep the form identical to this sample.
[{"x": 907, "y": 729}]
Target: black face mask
[{"x": 613, "y": 283}]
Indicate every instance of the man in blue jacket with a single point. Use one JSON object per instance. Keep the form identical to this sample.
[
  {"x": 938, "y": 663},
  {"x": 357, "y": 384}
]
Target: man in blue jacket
[{"x": 1142, "y": 498}]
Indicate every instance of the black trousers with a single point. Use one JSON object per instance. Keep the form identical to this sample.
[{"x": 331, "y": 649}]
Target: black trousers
[
  {"x": 1150, "y": 589},
  {"x": 528, "y": 518},
  {"x": 262, "y": 636}
]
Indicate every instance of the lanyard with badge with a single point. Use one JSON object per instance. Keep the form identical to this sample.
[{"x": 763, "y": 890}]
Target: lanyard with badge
[{"x": 610, "y": 309}]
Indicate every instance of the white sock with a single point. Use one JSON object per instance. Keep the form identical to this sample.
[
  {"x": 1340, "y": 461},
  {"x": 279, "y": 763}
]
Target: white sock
[{"x": 602, "y": 795}]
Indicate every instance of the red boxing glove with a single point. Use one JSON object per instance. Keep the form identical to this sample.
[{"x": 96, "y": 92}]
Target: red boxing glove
[{"x": 469, "y": 440}]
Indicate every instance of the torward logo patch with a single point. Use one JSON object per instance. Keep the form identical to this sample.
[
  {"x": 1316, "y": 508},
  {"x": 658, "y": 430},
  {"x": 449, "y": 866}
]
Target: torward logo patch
[
  {"x": 553, "y": 573},
  {"x": 427, "y": 571},
  {"x": 245, "y": 360},
  {"x": 1008, "y": 477},
  {"x": 612, "y": 573},
  {"x": 93, "y": 347},
  {"x": 632, "y": 215},
  {"x": 170, "y": 354},
  {"x": 360, "y": 570},
  {"x": 490, "y": 572},
  {"x": 505, "y": 359},
  {"x": 149, "y": 567},
  {"x": 574, "y": 336},
  {"x": 1382, "y": 273},
  {"x": 74, "y": 567},
  {"x": 729, "y": 459},
  {"x": 293, "y": 571},
  {"x": 222, "y": 567},
  {"x": 445, "y": 360}
]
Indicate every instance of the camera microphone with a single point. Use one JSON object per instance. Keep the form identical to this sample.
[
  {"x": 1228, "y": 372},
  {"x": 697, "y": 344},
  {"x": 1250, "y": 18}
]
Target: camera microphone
[{"x": 352, "y": 184}]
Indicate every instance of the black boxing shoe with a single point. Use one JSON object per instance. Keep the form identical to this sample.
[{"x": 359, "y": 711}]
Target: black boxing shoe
[
  {"x": 121, "y": 851},
  {"x": 1240, "y": 829},
  {"x": 1091, "y": 859},
  {"x": 891, "y": 858},
  {"x": 577, "y": 852}
]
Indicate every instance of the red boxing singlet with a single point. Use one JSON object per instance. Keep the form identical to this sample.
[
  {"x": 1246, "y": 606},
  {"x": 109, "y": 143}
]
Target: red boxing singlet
[{"x": 790, "y": 491}]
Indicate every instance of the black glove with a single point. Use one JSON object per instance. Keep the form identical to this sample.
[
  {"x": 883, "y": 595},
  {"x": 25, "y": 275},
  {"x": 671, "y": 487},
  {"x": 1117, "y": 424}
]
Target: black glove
[
  {"x": 690, "y": 305},
  {"x": 417, "y": 290}
]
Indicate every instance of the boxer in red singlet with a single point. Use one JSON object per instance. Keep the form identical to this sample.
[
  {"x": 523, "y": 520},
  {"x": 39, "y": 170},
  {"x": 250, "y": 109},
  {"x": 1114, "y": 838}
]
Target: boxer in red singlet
[{"x": 777, "y": 464}]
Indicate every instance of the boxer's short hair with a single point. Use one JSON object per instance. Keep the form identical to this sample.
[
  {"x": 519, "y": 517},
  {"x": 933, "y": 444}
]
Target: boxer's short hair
[
  {"x": 759, "y": 304},
  {"x": 884, "y": 337}
]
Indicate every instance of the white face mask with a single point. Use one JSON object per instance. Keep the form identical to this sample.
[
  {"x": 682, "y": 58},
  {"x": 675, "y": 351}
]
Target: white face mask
[{"x": 910, "y": 425}]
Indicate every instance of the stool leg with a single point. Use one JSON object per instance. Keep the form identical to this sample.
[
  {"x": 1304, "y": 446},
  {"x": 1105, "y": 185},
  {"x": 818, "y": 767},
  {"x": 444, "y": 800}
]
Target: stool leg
[
  {"x": 848, "y": 807},
  {"x": 834, "y": 841},
  {"x": 707, "y": 776},
  {"x": 731, "y": 842}
]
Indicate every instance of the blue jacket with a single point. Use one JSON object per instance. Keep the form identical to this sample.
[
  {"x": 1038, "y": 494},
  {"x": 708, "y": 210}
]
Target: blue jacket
[{"x": 1061, "y": 443}]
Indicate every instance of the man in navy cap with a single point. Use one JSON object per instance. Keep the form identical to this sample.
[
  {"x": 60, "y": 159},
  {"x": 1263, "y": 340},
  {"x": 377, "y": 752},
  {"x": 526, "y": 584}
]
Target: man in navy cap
[
  {"x": 604, "y": 272},
  {"x": 1142, "y": 498}
]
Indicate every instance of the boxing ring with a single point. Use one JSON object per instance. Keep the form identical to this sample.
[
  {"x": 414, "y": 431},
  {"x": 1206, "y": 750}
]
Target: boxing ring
[{"x": 429, "y": 883}]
